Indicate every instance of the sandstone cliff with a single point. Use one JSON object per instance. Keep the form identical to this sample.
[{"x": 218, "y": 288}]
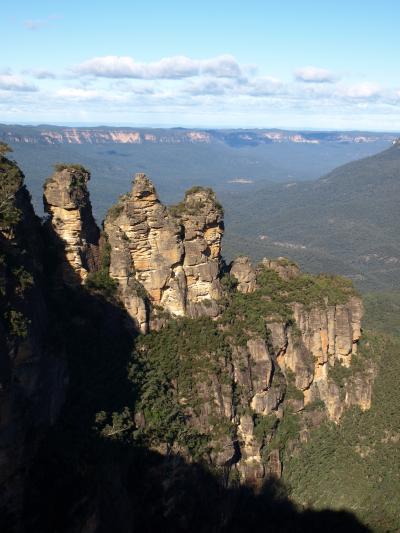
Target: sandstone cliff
[
  {"x": 288, "y": 337},
  {"x": 166, "y": 258},
  {"x": 280, "y": 358},
  {"x": 238, "y": 365},
  {"x": 66, "y": 200}
]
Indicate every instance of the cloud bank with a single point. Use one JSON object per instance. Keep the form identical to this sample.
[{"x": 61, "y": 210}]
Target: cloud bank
[
  {"x": 314, "y": 75},
  {"x": 177, "y": 67},
  {"x": 112, "y": 88},
  {"x": 10, "y": 82}
]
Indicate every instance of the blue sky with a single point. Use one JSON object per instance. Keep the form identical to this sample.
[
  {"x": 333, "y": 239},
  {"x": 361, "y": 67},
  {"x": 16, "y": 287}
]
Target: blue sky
[{"x": 311, "y": 64}]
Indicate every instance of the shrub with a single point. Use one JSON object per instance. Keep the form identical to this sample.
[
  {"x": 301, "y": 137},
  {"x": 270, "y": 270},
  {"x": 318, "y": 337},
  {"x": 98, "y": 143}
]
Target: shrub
[
  {"x": 114, "y": 212},
  {"x": 24, "y": 279},
  {"x": 17, "y": 322},
  {"x": 11, "y": 180},
  {"x": 101, "y": 281},
  {"x": 339, "y": 373},
  {"x": 59, "y": 167},
  {"x": 4, "y": 149},
  {"x": 167, "y": 368},
  {"x": 264, "y": 426}
]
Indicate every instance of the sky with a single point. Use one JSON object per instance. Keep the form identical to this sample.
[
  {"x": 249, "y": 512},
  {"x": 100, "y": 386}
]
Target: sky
[{"x": 320, "y": 64}]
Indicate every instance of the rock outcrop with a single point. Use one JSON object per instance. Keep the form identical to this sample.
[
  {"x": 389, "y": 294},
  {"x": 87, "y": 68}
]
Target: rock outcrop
[
  {"x": 285, "y": 268},
  {"x": 242, "y": 269},
  {"x": 66, "y": 200},
  {"x": 235, "y": 374},
  {"x": 282, "y": 369},
  {"x": 167, "y": 264},
  {"x": 168, "y": 259}
]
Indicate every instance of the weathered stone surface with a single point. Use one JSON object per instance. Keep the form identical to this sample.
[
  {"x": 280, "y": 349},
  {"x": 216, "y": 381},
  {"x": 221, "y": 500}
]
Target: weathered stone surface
[
  {"x": 250, "y": 465},
  {"x": 286, "y": 269},
  {"x": 359, "y": 389},
  {"x": 274, "y": 465},
  {"x": 173, "y": 254},
  {"x": 242, "y": 269},
  {"x": 261, "y": 364},
  {"x": 332, "y": 332},
  {"x": 203, "y": 229},
  {"x": 167, "y": 261},
  {"x": 265, "y": 402},
  {"x": 66, "y": 199}
]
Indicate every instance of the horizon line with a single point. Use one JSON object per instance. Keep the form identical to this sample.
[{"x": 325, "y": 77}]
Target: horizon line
[{"x": 188, "y": 127}]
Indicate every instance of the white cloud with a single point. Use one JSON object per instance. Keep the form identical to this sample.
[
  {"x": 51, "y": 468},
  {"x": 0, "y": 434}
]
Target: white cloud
[
  {"x": 177, "y": 67},
  {"x": 265, "y": 86},
  {"x": 362, "y": 90},
  {"x": 75, "y": 93},
  {"x": 185, "y": 88},
  {"x": 40, "y": 73},
  {"x": 210, "y": 86},
  {"x": 43, "y": 74},
  {"x": 11, "y": 82},
  {"x": 79, "y": 94},
  {"x": 314, "y": 75}
]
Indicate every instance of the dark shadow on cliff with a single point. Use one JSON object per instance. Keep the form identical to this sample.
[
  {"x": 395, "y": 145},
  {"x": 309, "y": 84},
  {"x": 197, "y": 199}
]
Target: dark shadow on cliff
[{"x": 83, "y": 482}]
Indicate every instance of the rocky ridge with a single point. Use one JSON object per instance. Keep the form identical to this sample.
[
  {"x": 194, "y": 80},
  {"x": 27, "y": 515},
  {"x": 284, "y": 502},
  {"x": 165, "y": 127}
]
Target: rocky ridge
[
  {"x": 53, "y": 135},
  {"x": 285, "y": 334},
  {"x": 267, "y": 370},
  {"x": 237, "y": 364}
]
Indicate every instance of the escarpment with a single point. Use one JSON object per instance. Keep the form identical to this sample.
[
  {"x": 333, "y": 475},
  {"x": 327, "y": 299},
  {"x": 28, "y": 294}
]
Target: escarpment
[
  {"x": 235, "y": 366},
  {"x": 32, "y": 372},
  {"x": 279, "y": 359},
  {"x": 166, "y": 258},
  {"x": 66, "y": 200},
  {"x": 260, "y": 354}
]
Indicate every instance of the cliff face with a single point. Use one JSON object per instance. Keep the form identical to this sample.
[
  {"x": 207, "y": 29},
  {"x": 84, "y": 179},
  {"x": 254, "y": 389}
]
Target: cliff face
[
  {"x": 280, "y": 358},
  {"x": 32, "y": 376},
  {"x": 66, "y": 200},
  {"x": 237, "y": 364},
  {"x": 284, "y": 341},
  {"x": 168, "y": 258},
  {"x": 53, "y": 135},
  {"x": 291, "y": 368}
]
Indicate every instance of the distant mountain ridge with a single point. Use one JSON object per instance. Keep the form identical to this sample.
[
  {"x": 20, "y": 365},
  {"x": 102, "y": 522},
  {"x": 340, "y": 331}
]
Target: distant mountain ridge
[
  {"x": 348, "y": 221},
  {"x": 47, "y": 134}
]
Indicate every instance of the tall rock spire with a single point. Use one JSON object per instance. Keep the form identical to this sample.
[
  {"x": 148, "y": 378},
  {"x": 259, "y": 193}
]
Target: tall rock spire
[
  {"x": 171, "y": 253},
  {"x": 66, "y": 199}
]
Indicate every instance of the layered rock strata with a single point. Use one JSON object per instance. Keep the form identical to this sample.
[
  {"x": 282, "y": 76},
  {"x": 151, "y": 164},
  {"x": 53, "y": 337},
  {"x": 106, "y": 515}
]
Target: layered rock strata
[
  {"x": 166, "y": 258},
  {"x": 272, "y": 369},
  {"x": 242, "y": 269},
  {"x": 167, "y": 263},
  {"x": 66, "y": 200}
]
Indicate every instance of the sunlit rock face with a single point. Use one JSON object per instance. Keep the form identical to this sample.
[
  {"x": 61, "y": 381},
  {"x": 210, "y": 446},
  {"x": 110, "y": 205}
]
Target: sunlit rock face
[
  {"x": 245, "y": 274},
  {"x": 285, "y": 268},
  {"x": 66, "y": 200},
  {"x": 173, "y": 254},
  {"x": 167, "y": 263}
]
